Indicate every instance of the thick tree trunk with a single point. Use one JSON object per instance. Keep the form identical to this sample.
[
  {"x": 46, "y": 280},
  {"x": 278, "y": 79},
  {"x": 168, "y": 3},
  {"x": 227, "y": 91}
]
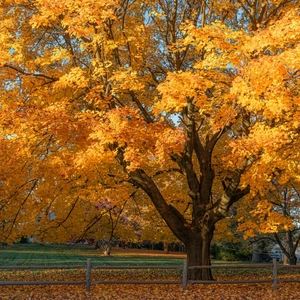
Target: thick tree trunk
[
  {"x": 198, "y": 254},
  {"x": 196, "y": 235}
]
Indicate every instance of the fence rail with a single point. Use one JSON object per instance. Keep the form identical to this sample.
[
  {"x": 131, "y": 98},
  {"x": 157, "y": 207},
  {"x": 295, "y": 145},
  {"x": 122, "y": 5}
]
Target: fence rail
[
  {"x": 274, "y": 267},
  {"x": 88, "y": 267},
  {"x": 62, "y": 267}
]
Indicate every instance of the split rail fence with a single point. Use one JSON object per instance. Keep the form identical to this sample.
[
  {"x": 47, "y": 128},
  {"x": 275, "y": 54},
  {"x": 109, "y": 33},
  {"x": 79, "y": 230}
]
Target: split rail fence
[{"x": 88, "y": 267}]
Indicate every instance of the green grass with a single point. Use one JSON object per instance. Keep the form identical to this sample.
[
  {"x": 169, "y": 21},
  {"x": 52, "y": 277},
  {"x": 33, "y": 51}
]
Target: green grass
[
  {"x": 33, "y": 255},
  {"x": 37, "y": 255}
]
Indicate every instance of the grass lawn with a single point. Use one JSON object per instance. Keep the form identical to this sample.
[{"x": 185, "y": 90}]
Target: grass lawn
[
  {"x": 39, "y": 255},
  {"x": 33, "y": 254},
  {"x": 46, "y": 255},
  {"x": 62, "y": 254}
]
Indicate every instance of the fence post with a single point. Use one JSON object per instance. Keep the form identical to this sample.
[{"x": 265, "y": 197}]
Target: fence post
[
  {"x": 88, "y": 274},
  {"x": 184, "y": 274},
  {"x": 274, "y": 274}
]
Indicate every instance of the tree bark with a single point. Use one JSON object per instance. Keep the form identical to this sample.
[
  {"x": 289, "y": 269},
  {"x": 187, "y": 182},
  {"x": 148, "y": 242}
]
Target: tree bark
[
  {"x": 289, "y": 249},
  {"x": 286, "y": 259},
  {"x": 198, "y": 254},
  {"x": 255, "y": 253},
  {"x": 196, "y": 235},
  {"x": 293, "y": 259},
  {"x": 166, "y": 247},
  {"x": 107, "y": 250}
]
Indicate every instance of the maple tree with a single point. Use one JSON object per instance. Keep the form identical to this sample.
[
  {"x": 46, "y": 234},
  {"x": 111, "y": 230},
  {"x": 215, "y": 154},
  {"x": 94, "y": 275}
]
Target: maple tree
[{"x": 190, "y": 102}]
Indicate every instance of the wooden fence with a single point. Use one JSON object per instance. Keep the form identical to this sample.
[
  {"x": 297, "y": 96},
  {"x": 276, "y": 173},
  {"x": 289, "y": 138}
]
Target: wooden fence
[
  {"x": 88, "y": 267},
  {"x": 273, "y": 267}
]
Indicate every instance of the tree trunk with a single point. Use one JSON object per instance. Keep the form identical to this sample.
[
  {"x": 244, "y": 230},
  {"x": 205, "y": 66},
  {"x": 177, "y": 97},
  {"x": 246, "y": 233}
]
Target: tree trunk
[
  {"x": 255, "y": 253},
  {"x": 97, "y": 245},
  {"x": 286, "y": 258},
  {"x": 107, "y": 250},
  {"x": 196, "y": 235},
  {"x": 293, "y": 259},
  {"x": 198, "y": 254},
  {"x": 166, "y": 247}
]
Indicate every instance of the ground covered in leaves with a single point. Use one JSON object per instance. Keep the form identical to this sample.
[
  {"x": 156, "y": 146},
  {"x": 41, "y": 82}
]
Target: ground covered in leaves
[
  {"x": 207, "y": 292},
  {"x": 143, "y": 291}
]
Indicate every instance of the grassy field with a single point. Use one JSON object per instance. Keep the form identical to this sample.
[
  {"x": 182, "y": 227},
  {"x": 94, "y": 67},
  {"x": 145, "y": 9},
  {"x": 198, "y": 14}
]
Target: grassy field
[
  {"x": 40, "y": 255},
  {"x": 46, "y": 255},
  {"x": 37, "y": 255},
  {"x": 33, "y": 254}
]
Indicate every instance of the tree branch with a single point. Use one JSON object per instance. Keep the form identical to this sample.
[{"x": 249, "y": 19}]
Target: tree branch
[
  {"x": 39, "y": 75},
  {"x": 172, "y": 216}
]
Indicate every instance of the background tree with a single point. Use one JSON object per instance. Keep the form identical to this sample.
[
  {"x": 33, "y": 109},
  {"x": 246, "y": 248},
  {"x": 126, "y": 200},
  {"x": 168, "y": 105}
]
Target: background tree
[
  {"x": 126, "y": 92},
  {"x": 155, "y": 230},
  {"x": 276, "y": 218}
]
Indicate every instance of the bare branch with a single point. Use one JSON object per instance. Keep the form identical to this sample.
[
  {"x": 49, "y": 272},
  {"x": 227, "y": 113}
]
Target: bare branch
[{"x": 22, "y": 71}]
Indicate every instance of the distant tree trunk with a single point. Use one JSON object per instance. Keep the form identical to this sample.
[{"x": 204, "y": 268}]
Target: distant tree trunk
[
  {"x": 285, "y": 257},
  {"x": 107, "y": 250},
  {"x": 293, "y": 259},
  {"x": 166, "y": 247},
  {"x": 255, "y": 253},
  {"x": 289, "y": 249},
  {"x": 105, "y": 247},
  {"x": 97, "y": 245}
]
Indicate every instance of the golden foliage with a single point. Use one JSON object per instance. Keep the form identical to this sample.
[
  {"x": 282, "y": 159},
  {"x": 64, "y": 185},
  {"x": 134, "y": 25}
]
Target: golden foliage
[{"x": 92, "y": 91}]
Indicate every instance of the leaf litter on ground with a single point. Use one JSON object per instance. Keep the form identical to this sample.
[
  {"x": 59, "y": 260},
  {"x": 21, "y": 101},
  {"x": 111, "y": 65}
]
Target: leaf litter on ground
[
  {"x": 286, "y": 291},
  {"x": 264, "y": 291}
]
